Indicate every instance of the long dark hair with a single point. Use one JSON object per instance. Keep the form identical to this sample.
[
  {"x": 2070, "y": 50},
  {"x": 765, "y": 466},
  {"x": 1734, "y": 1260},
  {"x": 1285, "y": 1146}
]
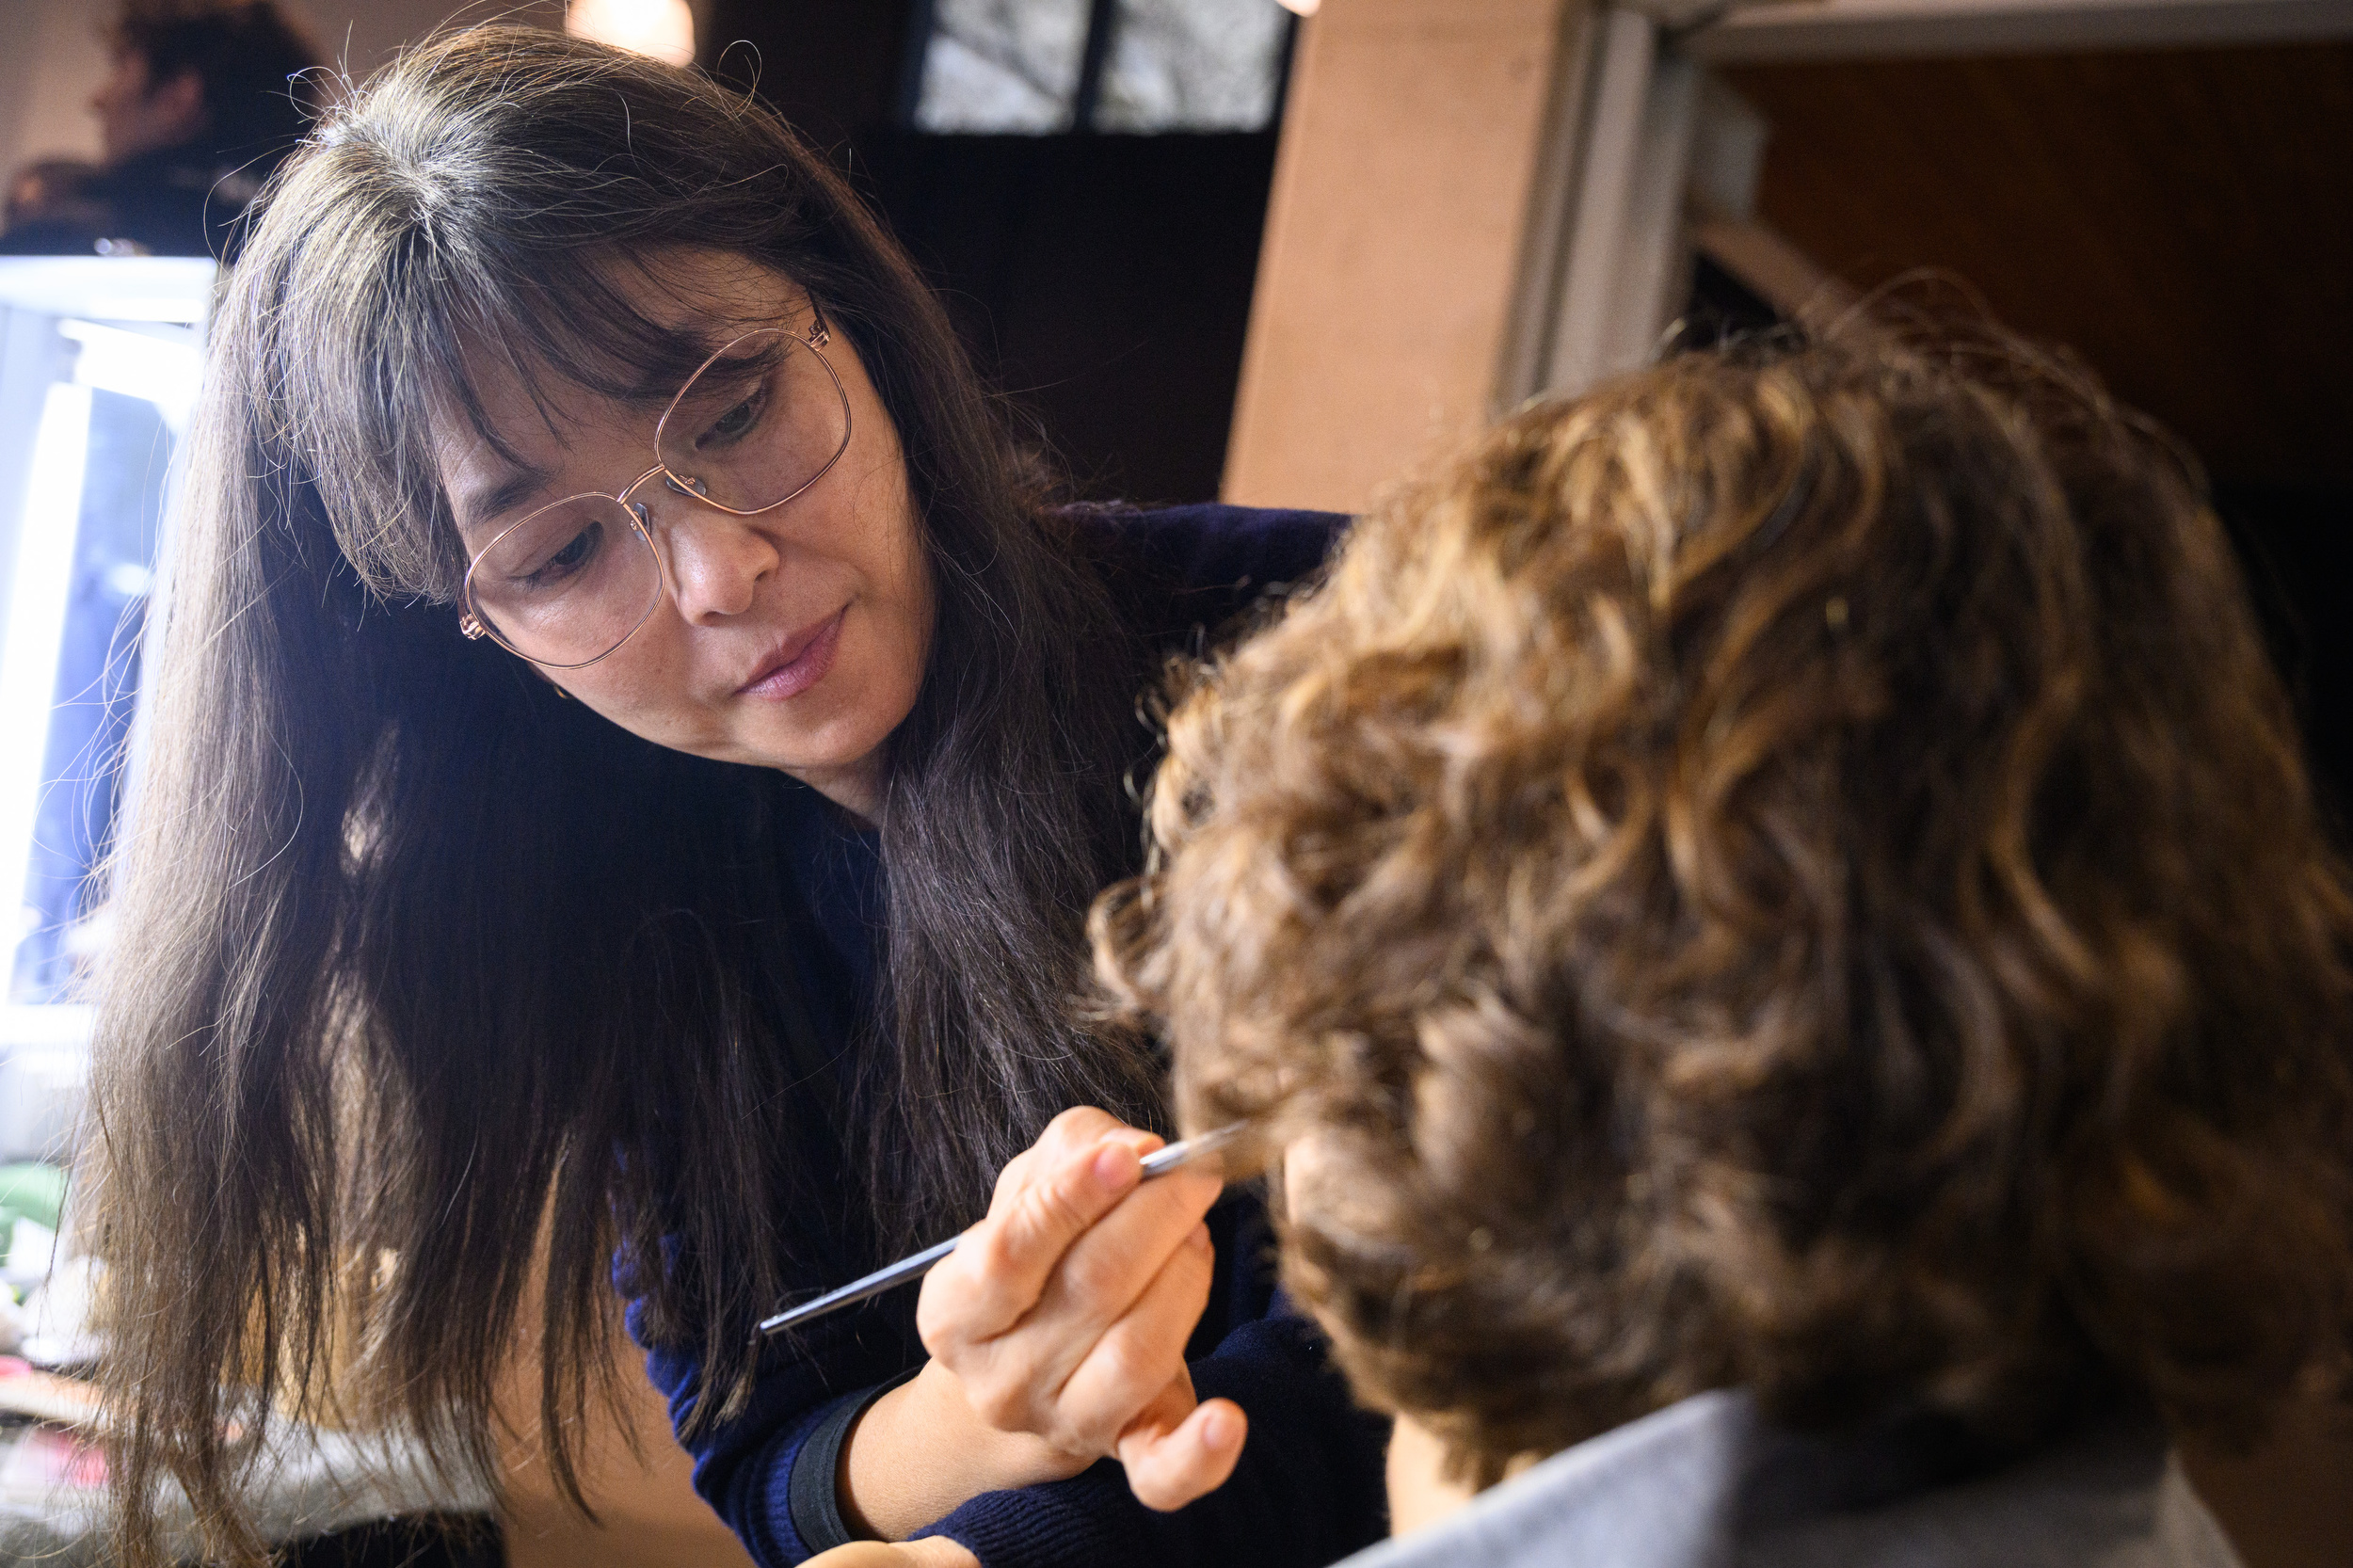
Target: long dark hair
[{"x": 420, "y": 964}]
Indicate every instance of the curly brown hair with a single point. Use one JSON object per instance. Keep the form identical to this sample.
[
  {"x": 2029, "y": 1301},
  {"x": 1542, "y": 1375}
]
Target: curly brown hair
[{"x": 1791, "y": 870}]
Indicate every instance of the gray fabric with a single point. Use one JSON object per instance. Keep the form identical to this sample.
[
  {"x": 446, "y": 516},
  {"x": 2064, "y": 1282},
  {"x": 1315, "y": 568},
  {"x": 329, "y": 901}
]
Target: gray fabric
[{"x": 1707, "y": 1484}]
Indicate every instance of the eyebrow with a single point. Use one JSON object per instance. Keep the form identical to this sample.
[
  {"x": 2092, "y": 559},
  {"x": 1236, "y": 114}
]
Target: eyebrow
[
  {"x": 687, "y": 345},
  {"x": 683, "y": 351},
  {"x": 499, "y": 499}
]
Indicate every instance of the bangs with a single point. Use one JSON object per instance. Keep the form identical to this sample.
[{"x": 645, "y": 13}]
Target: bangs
[{"x": 575, "y": 327}]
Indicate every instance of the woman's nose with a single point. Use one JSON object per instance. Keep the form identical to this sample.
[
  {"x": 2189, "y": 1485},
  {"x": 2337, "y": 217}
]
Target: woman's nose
[{"x": 716, "y": 562}]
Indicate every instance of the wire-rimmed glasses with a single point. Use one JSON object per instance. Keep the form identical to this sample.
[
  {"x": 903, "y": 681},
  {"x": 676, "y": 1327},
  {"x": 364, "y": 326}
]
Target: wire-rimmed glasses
[{"x": 760, "y": 421}]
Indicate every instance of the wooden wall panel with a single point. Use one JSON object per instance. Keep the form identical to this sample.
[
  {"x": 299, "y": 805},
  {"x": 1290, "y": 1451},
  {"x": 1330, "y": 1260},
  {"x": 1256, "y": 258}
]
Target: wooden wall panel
[{"x": 1385, "y": 290}]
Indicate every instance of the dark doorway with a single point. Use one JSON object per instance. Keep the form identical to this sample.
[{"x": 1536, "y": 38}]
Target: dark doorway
[
  {"x": 2181, "y": 217},
  {"x": 1102, "y": 281}
]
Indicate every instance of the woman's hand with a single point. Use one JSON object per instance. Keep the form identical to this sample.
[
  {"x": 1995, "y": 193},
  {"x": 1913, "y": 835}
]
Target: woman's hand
[
  {"x": 1064, "y": 1313},
  {"x": 1057, "y": 1332}
]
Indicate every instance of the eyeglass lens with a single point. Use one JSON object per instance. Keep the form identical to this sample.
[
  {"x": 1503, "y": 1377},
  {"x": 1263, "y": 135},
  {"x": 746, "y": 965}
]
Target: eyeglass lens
[
  {"x": 569, "y": 582},
  {"x": 757, "y": 424}
]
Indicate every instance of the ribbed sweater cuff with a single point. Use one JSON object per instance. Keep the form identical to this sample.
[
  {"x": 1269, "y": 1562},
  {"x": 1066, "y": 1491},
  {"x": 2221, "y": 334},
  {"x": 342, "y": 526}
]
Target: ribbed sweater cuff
[
  {"x": 813, "y": 1485},
  {"x": 1034, "y": 1528}
]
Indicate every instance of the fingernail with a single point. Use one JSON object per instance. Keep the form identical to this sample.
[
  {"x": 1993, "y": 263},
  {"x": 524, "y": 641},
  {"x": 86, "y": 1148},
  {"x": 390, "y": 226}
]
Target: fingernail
[
  {"x": 1199, "y": 1240},
  {"x": 1216, "y": 1431},
  {"x": 1110, "y": 1168}
]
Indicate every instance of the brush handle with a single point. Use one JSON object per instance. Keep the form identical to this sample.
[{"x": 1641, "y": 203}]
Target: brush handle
[{"x": 1159, "y": 1162}]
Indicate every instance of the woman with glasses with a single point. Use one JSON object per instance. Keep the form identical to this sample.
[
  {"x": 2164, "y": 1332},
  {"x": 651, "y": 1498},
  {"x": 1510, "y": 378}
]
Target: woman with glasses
[{"x": 631, "y": 755}]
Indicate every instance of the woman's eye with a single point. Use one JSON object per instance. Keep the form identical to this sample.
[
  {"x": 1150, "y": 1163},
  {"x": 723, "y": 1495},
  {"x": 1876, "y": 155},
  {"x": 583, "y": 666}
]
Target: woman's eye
[
  {"x": 736, "y": 423},
  {"x": 576, "y": 554}
]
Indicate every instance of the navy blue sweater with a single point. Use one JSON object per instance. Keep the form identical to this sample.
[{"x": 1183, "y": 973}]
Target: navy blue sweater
[{"x": 1307, "y": 1489}]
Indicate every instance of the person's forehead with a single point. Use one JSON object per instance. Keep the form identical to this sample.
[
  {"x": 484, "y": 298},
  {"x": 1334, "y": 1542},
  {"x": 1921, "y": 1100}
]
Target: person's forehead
[
  {"x": 696, "y": 299},
  {"x": 696, "y": 290}
]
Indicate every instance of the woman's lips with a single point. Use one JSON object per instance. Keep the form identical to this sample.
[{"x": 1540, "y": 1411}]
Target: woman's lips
[{"x": 796, "y": 669}]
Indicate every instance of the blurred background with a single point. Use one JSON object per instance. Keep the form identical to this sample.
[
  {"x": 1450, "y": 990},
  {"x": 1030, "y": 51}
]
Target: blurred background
[{"x": 1277, "y": 251}]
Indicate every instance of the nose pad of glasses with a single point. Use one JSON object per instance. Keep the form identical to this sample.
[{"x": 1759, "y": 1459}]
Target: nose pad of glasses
[
  {"x": 644, "y": 519},
  {"x": 692, "y": 487}
]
